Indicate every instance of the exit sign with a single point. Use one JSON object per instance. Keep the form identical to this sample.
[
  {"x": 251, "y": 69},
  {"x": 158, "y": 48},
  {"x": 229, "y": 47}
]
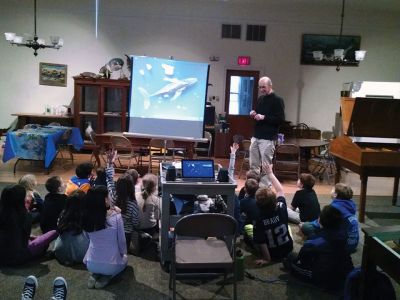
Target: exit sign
[{"x": 243, "y": 60}]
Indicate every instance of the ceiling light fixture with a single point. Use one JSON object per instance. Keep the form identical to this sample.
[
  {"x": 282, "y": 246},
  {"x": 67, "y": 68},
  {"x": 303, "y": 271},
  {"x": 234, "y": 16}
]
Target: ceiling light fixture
[
  {"x": 339, "y": 54},
  {"x": 33, "y": 42}
]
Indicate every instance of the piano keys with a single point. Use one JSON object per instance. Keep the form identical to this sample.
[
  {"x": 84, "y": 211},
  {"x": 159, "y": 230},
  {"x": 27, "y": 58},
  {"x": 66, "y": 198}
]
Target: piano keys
[{"x": 371, "y": 142}]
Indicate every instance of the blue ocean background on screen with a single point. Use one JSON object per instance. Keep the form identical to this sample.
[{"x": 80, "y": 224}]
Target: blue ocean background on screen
[{"x": 168, "y": 89}]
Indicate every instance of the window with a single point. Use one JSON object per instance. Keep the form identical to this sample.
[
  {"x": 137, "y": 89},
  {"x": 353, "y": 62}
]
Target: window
[
  {"x": 230, "y": 31},
  {"x": 256, "y": 33},
  {"x": 241, "y": 95}
]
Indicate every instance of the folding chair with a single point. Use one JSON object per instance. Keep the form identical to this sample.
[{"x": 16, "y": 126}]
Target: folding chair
[
  {"x": 204, "y": 246},
  {"x": 125, "y": 152}
]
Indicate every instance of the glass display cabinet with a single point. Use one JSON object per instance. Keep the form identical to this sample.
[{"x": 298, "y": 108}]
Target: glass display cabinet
[{"x": 102, "y": 103}]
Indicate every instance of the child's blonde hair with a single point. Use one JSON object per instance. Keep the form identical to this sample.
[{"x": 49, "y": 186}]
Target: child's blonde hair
[{"x": 28, "y": 181}]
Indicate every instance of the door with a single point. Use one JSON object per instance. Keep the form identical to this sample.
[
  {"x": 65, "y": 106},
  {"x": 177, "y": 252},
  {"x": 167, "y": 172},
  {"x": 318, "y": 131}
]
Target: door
[{"x": 240, "y": 95}]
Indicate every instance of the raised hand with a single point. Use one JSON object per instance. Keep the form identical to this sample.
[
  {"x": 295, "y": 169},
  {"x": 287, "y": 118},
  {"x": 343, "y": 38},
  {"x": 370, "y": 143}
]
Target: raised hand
[
  {"x": 111, "y": 156},
  {"x": 234, "y": 148},
  {"x": 267, "y": 168}
]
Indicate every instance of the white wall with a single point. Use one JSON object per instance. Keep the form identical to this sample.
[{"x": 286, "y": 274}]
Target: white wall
[{"x": 190, "y": 30}]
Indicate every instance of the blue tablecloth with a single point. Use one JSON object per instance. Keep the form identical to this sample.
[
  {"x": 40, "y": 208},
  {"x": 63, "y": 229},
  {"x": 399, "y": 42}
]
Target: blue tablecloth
[{"x": 39, "y": 143}]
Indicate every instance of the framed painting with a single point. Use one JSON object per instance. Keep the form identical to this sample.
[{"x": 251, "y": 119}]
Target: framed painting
[
  {"x": 318, "y": 49},
  {"x": 52, "y": 74}
]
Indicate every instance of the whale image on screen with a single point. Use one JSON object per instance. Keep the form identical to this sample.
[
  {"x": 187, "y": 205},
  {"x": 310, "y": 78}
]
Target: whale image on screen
[{"x": 165, "y": 93}]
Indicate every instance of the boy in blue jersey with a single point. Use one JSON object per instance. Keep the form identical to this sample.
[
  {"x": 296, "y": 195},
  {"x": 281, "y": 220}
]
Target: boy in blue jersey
[
  {"x": 323, "y": 260},
  {"x": 342, "y": 201}
]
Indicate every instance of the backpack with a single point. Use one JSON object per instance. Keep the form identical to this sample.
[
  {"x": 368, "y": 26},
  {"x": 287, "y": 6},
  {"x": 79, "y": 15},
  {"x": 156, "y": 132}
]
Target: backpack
[{"x": 382, "y": 286}]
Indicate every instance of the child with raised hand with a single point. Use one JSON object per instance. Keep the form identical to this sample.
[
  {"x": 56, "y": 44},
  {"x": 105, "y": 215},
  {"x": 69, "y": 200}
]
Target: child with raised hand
[
  {"x": 54, "y": 203},
  {"x": 33, "y": 200},
  {"x": 122, "y": 194},
  {"x": 305, "y": 206},
  {"x": 106, "y": 256},
  {"x": 271, "y": 230}
]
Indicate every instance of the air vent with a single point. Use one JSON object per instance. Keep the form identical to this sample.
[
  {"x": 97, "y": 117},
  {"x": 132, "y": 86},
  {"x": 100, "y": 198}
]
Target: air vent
[
  {"x": 230, "y": 31},
  {"x": 256, "y": 33}
]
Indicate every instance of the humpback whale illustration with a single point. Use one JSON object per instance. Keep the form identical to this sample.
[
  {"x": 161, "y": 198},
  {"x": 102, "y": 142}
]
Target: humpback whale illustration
[{"x": 172, "y": 90}]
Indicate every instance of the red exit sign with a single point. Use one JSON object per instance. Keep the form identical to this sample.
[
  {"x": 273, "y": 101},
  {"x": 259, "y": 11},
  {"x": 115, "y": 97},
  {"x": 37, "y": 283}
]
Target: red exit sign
[{"x": 243, "y": 60}]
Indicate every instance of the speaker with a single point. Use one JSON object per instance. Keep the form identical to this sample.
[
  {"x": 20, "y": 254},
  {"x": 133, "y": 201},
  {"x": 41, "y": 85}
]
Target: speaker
[
  {"x": 223, "y": 175},
  {"x": 171, "y": 173}
]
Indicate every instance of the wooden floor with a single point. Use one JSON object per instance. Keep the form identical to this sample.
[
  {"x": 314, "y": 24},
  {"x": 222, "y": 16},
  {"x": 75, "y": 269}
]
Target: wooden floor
[{"x": 65, "y": 168}]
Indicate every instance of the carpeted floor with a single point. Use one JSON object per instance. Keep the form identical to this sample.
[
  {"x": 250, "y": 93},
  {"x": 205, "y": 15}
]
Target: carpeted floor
[{"x": 144, "y": 278}]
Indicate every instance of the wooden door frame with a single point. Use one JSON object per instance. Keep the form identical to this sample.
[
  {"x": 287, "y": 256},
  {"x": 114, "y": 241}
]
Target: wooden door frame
[{"x": 240, "y": 124}]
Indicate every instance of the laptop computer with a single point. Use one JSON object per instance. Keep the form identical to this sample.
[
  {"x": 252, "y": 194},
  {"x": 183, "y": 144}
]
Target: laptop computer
[{"x": 200, "y": 170}]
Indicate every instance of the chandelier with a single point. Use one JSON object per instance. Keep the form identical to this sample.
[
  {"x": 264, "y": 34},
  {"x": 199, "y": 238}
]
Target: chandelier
[
  {"x": 345, "y": 51},
  {"x": 33, "y": 42},
  {"x": 339, "y": 53}
]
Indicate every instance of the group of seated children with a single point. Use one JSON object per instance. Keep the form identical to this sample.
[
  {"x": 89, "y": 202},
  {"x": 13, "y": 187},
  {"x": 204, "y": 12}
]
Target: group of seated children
[
  {"x": 85, "y": 216},
  {"x": 331, "y": 235}
]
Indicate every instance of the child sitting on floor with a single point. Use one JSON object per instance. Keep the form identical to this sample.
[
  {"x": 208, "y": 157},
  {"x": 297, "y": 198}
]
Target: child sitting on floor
[
  {"x": 271, "y": 230},
  {"x": 71, "y": 246},
  {"x": 305, "y": 206},
  {"x": 54, "y": 203},
  {"x": 324, "y": 260},
  {"x": 342, "y": 200},
  {"x": 33, "y": 200},
  {"x": 82, "y": 180}
]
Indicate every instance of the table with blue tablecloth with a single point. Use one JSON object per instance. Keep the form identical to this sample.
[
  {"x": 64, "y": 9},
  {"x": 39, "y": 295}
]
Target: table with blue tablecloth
[{"x": 39, "y": 143}]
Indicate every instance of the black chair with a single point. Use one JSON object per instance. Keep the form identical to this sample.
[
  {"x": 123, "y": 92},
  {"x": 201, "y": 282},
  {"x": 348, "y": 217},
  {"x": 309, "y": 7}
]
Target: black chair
[
  {"x": 201, "y": 148},
  {"x": 63, "y": 144},
  {"x": 204, "y": 246}
]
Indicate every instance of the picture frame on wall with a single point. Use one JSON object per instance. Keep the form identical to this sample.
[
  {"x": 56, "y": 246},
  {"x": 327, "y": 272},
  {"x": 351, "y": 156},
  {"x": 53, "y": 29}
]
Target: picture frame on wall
[
  {"x": 52, "y": 74},
  {"x": 320, "y": 49}
]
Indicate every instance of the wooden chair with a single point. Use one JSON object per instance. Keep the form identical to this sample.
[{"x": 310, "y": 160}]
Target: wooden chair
[
  {"x": 204, "y": 246},
  {"x": 125, "y": 152},
  {"x": 246, "y": 156},
  {"x": 286, "y": 162},
  {"x": 97, "y": 150},
  {"x": 301, "y": 130}
]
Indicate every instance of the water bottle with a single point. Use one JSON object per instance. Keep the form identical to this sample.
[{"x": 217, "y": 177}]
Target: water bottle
[{"x": 239, "y": 265}]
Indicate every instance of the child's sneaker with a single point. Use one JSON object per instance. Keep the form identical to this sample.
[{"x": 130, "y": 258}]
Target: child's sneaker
[
  {"x": 59, "y": 289},
  {"x": 102, "y": 281},
  {"x": 30, "y": 286}
]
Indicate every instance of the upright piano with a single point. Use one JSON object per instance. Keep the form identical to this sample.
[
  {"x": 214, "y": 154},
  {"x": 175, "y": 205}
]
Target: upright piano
[{"x": 370, "y": 145}]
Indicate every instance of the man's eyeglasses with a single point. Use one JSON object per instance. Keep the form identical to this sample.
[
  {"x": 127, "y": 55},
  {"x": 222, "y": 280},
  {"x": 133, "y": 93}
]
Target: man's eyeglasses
[{"x": 262, "y": 86}]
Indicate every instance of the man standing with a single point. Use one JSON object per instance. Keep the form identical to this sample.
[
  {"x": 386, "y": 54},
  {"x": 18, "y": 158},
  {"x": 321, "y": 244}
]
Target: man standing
[{"x": 268, "y": 114}]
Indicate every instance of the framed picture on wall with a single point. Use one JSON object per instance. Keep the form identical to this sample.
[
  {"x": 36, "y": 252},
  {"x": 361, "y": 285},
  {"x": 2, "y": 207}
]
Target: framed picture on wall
[
  {"x": 52, "y": 74},
  {"x": 318, "y": 49}
]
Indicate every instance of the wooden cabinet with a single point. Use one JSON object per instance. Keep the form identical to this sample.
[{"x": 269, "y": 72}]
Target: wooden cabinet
[
  {"x": 223, "y": 141},
  {"x": 101, "y": 102}
]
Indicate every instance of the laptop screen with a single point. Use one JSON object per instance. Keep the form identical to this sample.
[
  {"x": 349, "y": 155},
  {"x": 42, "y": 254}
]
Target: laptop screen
[{"x": 198, "y": 169}]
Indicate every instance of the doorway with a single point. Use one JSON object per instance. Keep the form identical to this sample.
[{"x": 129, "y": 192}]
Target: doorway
[{"x": 240, "y": 96}]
